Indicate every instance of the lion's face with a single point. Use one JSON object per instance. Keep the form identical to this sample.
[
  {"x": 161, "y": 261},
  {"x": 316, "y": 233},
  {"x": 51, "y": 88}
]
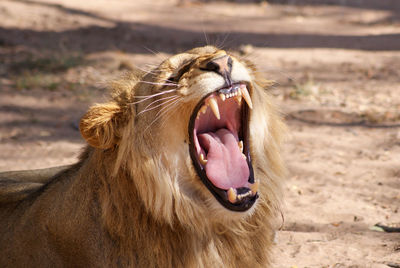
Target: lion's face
[{"x": 192, "y": 126}]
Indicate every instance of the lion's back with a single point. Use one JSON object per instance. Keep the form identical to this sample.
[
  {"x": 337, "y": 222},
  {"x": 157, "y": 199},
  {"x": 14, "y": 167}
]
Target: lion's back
[{"x": 18, "y": 185}]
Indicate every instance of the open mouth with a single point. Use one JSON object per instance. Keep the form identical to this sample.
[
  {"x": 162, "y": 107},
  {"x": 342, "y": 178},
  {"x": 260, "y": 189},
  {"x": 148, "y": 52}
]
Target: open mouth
[{"x": 219, "y": 146}]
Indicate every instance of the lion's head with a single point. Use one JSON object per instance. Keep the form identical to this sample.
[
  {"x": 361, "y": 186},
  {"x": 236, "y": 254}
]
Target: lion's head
[{"x": 198, "y": 135}]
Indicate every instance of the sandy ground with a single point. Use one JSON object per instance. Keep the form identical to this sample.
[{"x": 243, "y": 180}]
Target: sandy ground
[{"x": 337, "y": 73}]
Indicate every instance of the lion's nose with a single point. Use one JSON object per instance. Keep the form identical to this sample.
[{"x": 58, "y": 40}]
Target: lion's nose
[{"x": 222, "y": 66}]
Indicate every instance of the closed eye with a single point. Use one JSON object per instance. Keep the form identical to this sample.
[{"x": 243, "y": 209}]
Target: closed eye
[
  {"x": 172, "y": 79},
  {"x": 176, "y": 77}
]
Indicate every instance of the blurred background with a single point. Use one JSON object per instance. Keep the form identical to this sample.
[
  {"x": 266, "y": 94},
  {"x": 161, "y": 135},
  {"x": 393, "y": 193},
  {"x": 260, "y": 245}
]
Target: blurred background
[{"x": 336, "y": 67}]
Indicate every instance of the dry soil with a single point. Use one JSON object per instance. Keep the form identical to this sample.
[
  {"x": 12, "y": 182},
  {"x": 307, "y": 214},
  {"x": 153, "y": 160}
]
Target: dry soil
[{"x": 337, "y": 73}]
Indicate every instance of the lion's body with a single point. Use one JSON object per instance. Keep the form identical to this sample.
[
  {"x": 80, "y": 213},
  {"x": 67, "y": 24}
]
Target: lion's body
[{"x": 134, "y": 200}]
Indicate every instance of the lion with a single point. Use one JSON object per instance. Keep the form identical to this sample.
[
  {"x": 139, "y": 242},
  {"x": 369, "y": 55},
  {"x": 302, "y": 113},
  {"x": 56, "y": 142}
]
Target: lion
[{"x": 182, "y": 168}]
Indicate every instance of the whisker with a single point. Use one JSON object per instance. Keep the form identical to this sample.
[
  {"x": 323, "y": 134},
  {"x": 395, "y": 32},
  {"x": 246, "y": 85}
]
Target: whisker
[
  {"x": 147, "y": 108},
  {"x": 160, "y": 84},
  {"x": 159, "y": 114},
  {"x": 167, "y": 113},
  {"x": 144, "y": 70},
  {"x": 169, "y": 105},
  {"x": 204, "y": 32},
  {"x": 164, "y": 98},
  {"x": 156, "y": 53},
  {"x": 152, "y": 66},
  {"x": 146, "y": 97},
  {"x": 157, "y": 94},
  {"x": 221, "y": 44}
]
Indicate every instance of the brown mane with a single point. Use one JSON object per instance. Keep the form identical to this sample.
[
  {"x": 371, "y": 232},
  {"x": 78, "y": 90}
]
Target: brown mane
[{"x": 133, "y": 199}]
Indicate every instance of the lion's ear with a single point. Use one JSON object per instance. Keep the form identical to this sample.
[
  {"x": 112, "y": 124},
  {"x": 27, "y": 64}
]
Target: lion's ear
[{"x": 99, "y": 126}]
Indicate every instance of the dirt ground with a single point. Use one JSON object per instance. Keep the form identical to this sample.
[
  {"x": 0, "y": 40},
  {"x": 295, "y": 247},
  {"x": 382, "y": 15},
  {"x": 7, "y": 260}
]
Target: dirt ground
[{"x": 337, "y": 73}]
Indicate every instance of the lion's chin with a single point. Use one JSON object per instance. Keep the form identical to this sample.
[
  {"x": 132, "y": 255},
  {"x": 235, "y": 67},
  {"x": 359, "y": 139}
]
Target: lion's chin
[{"x": 219, "y": 146}]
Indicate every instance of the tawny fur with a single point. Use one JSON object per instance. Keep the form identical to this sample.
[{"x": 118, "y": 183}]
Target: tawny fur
[{"x": 134, "y": 199}]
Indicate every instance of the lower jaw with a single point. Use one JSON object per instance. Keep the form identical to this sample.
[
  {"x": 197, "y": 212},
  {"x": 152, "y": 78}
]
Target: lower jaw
[
  {"x": 222, "y": 195},
  {"x": 242, "y": 206}
]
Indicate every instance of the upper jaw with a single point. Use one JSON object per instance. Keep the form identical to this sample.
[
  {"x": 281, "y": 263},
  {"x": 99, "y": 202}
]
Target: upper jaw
[{"x": 226, "y": 110}]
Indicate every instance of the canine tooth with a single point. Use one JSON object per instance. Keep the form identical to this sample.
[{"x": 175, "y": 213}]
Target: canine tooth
[
  {"x": 241, "y": 146},
  {"x": 222, "y": 96},
  {"x": 214, "y": 107},
  {"x": 244, "y": 156},
  {"x": 246, "y": 96},
  {"x": 232, "y": 195},
  {"x": 203, "y": 160},
  {"x": 254, "y": 187}
]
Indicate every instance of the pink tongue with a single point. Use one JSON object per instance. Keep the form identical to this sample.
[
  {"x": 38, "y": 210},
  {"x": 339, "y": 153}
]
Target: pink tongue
[{"x": 226, "y": 166}]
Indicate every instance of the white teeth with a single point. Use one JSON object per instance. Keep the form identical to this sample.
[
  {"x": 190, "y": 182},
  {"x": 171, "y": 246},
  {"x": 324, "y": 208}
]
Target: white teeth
[
  {"x": 241, "y": 196},
  {"x": 238, "y": 92},
  {"x": 214, "y": 107},
  {"x": 241, "y": 146},
  {"x": 232, "y": 195},
  {"x": 246, "y": 96},
  {"x": 244, "y": 156},
  {"x": 203, "y": 160},
  {"x": 254, "y": 187}
]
